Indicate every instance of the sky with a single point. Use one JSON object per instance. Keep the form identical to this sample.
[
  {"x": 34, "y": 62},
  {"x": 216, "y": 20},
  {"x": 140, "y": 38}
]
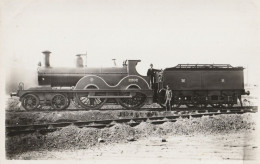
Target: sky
[{"x": 165, "y": 33}]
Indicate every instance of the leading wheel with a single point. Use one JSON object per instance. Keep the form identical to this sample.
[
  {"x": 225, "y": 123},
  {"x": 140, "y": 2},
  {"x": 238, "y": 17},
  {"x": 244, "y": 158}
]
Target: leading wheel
[
  {"x": 89, "y": 103},
  {"x": 59, "y": 101},
  {"x": 137, "y": 101},
  {"x": 30, "y": 102}
]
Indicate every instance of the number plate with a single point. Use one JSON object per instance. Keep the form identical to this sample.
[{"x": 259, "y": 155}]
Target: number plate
[{"x": 132, "y": 80}]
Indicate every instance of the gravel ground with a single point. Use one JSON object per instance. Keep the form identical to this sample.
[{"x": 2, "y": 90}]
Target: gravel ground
[
  {"x": 213, "y": 147},
  {"x": 74, "y": 138}
]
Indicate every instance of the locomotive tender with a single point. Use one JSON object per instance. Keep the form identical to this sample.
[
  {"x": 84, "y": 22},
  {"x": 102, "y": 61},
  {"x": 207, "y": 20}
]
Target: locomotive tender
[
  {"x": 218, "y": 85},
  {"x": 90, "y": 88}
]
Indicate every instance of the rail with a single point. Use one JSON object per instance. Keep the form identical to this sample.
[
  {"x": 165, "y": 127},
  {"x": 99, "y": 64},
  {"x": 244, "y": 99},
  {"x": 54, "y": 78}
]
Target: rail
[{"x": 169, "y": 117}]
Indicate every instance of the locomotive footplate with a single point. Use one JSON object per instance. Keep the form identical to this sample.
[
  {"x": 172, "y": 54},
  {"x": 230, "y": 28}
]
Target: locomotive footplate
[{"x": 86, "y": 98}]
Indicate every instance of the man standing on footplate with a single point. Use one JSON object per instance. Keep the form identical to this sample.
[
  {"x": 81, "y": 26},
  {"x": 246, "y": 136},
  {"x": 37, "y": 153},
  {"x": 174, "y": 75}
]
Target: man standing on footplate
[{"x": 151, "y": 75}]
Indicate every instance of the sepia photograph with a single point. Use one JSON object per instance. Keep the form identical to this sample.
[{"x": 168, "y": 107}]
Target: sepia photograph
[{"x": 129, "y": 81}]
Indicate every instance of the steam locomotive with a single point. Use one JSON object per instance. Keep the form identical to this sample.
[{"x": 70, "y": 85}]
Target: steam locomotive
[{"x": 192, "y": 85}]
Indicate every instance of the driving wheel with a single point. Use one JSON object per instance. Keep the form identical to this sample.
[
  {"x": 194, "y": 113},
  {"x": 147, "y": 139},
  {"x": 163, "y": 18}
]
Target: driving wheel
[
  {"x": 137, "y": 101},
  {"x": 89, "y": 103}
]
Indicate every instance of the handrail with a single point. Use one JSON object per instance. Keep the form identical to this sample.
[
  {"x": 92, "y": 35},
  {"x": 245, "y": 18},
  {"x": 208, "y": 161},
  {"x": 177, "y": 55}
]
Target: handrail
[{"x": 203, "y": 66}]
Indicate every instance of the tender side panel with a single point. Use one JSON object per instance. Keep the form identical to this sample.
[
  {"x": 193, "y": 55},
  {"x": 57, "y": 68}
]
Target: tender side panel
[
  {"x": 219, "y": 80},
  {"x": 204, "y": 79},
  {"x": 183, "y": 80}
]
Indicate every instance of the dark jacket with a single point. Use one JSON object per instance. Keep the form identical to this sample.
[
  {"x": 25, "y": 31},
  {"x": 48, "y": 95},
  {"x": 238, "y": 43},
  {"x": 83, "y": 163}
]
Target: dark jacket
[{"x": 151, "y": 72}]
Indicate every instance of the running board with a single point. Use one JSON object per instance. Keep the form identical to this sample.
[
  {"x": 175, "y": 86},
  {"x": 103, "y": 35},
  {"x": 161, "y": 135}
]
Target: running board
[{"x": 109, "y": 96}]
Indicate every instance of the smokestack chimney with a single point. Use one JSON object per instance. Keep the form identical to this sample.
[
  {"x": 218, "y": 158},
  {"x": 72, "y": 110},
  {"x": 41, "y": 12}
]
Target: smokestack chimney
[{"x": 46, "y": 58}]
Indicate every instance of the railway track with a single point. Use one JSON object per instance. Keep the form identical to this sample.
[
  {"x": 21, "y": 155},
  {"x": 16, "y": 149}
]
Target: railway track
[
  {"x": 142, "y": 109},
  {"x": 169, "y": 117}
]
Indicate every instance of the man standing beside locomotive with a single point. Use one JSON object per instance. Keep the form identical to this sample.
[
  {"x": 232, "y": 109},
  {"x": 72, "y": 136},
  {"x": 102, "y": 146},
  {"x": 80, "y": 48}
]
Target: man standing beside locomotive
[{"x": 168, "y": 97}]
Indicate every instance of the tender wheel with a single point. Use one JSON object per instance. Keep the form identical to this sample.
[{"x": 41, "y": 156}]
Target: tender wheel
[
  {"x": 136, "y": 101},
  {"x": 173, "y": 106},
  {"x": 89, "y": 103},
  {"x": 59, "y": 101},
  {"x": 191, "y": 105},
  {"x": 30, "y": 102},
  {"x": 203, "y": 105},
  {"x": 197, "y": 104},
  {"x": 215, "y": 105},
  {"x": 176, "y": 105},
  {"x": 227, "y": 105}
]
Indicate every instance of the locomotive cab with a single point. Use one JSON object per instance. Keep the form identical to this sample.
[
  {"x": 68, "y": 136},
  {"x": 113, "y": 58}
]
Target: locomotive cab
[{"x": 158, "y": 84}]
